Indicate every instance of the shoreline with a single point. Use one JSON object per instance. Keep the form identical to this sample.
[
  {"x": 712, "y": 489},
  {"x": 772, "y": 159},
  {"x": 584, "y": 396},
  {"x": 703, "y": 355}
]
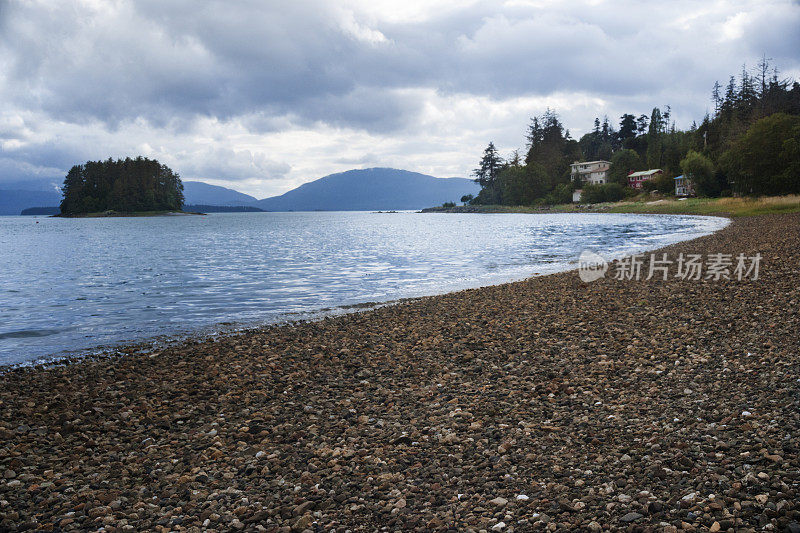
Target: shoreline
[
  {"x": 614, "y": 404},
  {"x": 729, "y": 207},
  {"x": 135, "y": 214},
  {"x": 227, "y": 329}
]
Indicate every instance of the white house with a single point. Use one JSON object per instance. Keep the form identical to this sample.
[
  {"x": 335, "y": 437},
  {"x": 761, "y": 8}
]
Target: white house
[
  {"x": 576, "y": 195},
  {"x": 594, "y": 172}
]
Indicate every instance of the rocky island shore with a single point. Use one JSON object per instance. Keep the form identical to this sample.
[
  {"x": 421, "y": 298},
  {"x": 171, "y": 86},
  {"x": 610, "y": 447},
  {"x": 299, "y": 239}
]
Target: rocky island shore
[{"x": 547, "y": 404}]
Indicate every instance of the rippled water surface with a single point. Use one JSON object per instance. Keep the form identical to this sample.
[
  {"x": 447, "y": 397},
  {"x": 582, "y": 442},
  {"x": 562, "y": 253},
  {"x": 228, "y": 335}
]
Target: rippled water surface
[{"x": 76, "y": 284}]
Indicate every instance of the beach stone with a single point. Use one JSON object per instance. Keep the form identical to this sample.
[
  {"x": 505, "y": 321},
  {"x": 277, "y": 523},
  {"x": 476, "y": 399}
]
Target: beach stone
[
  {"x": 631, "y": 517},
  {"x": 499, "y": 501},
  {"x": 303, "y": 522},
  {"x": 99, "y": 511}
]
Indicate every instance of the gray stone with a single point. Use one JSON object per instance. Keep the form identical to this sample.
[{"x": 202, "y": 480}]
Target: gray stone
[{"x": 631, "y": 517}]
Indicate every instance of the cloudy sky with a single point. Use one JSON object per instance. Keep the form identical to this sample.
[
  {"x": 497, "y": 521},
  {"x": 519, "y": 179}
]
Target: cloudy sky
[{"x": 262, "y": 96}]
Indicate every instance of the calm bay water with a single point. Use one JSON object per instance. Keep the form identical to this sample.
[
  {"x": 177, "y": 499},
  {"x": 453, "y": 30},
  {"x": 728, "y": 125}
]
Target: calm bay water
[{"x": 68, "y": 285}]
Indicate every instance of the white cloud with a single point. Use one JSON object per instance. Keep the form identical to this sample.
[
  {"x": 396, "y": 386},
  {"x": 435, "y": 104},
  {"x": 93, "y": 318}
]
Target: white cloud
[{"x": 359, "y": 31}]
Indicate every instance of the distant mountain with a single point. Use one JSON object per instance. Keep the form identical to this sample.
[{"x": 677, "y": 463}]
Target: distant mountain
[
  {"x": 39, "y": 211},
  {"x": 369, "y": 190},
  {"x": 200, "y": 208},
  {"x": 13, "y": 201},
  {"x": 199, "y": 193}
]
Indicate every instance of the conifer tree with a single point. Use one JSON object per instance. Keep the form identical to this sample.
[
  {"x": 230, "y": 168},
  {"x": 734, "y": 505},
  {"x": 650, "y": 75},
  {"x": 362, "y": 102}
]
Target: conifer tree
[{"x": 127, "y": 185}]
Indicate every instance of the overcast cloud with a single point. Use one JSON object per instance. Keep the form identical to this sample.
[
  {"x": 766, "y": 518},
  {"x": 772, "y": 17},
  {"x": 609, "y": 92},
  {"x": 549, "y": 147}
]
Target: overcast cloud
[{"x": 263, "y": 96}]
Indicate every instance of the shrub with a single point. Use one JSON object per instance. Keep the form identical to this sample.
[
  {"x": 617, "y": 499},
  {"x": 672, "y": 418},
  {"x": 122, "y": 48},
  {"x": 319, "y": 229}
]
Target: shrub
[
  {"x": 664, "y": 184},
  {"x": 648, "y": 186},
  {"x": 700, "y": 170},
  {"x": 562, "y": 194},
  {"x": 595, "y": 194}
]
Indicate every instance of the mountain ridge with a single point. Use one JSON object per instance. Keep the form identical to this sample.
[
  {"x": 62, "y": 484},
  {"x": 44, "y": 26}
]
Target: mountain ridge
[
  {"x": 201, "y": 193},
  {"x": 378, "y": 188},
  {"x": 371, "y": 189},
  {"x": 13, "y": 201}
]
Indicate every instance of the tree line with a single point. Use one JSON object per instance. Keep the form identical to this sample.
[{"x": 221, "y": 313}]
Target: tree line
[
  {"x": 749, "y": 145},
  {"x": 124, "y": 185}
]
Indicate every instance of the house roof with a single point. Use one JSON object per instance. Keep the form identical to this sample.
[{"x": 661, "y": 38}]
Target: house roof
[
  {"x": 588, "y": 162},
  {"x": 678, "y": 177},
  {"x": 645, "y": 172}
]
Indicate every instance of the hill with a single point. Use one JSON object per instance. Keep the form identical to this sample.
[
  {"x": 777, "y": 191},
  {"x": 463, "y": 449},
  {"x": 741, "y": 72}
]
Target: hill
[
  {"x": 355, "y": 190},
  {"x": 200, "y": 208},
  {"x": 13, "y": 201},
  {"x": 371, "y": 189},
  {"x": 40, "y": 211},
  {"x": 199, "y": 193}
]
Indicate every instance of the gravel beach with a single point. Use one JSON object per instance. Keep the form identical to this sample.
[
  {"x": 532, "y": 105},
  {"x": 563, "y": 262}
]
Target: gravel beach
[{"x": 547, "y": 404}]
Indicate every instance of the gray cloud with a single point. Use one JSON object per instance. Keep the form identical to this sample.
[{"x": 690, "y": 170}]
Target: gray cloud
[{"x": 86, "y": 80}]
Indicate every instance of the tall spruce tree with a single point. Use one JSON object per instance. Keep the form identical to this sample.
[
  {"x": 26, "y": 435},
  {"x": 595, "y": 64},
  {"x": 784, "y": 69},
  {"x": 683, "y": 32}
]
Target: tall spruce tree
[
  {"x": 627, "y": 127},
  {"x": 654, "y": 141},
  {"x": 488, "y": 168}
]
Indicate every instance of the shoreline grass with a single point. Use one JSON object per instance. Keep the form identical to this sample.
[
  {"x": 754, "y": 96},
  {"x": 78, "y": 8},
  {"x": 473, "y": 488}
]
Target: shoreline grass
[{"x": 732, "y": 207}]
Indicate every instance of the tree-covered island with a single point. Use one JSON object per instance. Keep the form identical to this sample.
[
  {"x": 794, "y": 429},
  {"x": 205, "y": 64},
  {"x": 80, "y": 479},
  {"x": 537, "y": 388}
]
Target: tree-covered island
[{"x": 126, "y": 186}]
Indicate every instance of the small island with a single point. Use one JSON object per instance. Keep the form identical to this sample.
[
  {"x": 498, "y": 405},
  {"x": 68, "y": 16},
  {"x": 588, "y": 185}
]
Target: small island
[{"x": 125, "y": 187}]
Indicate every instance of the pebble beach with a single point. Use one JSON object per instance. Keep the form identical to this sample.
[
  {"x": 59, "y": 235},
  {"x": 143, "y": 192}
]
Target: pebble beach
[{"x": 548, "y": 404}]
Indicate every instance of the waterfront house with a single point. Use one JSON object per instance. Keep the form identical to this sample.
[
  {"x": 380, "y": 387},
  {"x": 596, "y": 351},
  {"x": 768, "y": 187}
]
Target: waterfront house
[
  {"x": 635, "y": 179},
  {"x": 594, "y": 172},
  {"x": 684, "y": 186}
]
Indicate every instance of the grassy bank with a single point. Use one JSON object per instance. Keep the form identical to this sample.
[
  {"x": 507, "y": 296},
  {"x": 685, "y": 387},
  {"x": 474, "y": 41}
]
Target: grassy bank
[{"x": 734, "y": 207}]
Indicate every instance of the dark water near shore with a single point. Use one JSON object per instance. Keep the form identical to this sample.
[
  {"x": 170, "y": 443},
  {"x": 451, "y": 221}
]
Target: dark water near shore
[{"x": 76, "y": 284}]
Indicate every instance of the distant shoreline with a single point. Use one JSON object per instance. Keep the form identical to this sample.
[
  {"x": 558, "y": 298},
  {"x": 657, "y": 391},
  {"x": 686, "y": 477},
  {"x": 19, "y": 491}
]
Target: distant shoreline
[{"x": 117, "y": 214}]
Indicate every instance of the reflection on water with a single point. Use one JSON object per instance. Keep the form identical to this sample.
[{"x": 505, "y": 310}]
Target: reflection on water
[{"x": 75, "y": 284}]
